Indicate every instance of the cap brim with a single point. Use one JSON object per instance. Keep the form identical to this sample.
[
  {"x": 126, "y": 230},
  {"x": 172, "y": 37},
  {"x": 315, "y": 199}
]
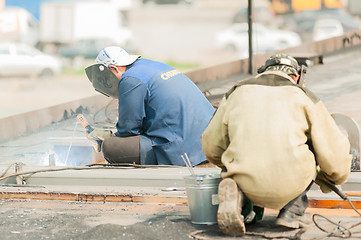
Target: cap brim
[{"x": 129, "y": 60}]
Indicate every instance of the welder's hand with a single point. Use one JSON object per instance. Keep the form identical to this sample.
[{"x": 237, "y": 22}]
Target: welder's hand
[
  {"x": 322, "y": 182},
  {"x": 97, "y": 136},
  {"x": 98, "y": 133}
]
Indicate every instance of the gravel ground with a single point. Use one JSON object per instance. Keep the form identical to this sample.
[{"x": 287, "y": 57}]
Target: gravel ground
[
  {"x": 34, "y": 220},
  {"x": 71, "y": 220}
]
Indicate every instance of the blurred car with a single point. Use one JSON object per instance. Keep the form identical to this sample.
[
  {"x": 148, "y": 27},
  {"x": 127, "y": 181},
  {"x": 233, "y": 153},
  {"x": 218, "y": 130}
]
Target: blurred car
[
  {"x": 260, "y": 14},
  {"x": 85, "y": 48},
  {"x": 18, "y": 59},
  {"x": 265, "y": 39},
  {"x": 304, "y": 22},
  {"x": 327, "y": 28}
]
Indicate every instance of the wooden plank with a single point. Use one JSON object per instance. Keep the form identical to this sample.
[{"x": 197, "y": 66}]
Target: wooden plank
[
  {"x": 333, "y": 204},
  {"x": 93, "y": 197},
  {"x": 146, "y": 198}
]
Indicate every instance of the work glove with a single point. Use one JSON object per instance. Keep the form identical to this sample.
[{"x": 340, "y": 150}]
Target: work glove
[
  {"x": 322, "y": 181},
  {"x": 97, "y": 136},
  {"x": 99, "y": 133}
]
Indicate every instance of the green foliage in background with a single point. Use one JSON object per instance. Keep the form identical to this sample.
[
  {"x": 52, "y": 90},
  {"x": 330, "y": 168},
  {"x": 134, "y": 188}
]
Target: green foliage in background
[
  {"x": 183, "y": 66},
  {"x": 73, "y": 71}
]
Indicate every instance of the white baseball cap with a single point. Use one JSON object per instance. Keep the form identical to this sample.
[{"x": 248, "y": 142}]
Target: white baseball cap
[{"x": 114, "y": 55}]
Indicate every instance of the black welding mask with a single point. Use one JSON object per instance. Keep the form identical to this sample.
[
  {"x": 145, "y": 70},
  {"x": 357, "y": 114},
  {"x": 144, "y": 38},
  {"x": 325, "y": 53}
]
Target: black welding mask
[{"x": 103, "y": 80}]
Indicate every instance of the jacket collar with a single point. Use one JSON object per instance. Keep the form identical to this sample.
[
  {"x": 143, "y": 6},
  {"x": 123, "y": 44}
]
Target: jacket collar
[{"x": 279, "y": 73}]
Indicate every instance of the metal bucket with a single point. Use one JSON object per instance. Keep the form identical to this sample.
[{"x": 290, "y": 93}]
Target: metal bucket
[{"x": 202, "y": 193}]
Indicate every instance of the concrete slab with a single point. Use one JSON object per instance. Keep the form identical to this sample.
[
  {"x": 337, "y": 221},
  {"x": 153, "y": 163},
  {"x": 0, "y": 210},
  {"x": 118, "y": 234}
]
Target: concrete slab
[{"x": 98, "y": 175}]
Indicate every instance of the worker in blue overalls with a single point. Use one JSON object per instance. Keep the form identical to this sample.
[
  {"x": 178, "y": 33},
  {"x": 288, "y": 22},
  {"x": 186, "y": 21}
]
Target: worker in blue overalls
[{"x": 162, "y": 113}]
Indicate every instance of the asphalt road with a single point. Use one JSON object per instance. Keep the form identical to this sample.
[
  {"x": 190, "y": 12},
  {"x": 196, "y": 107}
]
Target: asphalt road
[
  {"x": 34, "y": 220},
  {"x": 19, "y": 95}
]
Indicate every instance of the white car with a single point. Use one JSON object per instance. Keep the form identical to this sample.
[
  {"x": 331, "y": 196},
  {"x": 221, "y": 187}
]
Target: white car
[
  {"x": 327, "y": 28},
  {"x": 265, "y": 39},
  {"x": 23, "y": 60}
]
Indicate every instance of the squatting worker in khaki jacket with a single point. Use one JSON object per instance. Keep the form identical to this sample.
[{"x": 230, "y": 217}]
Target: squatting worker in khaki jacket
[{"x": 269, "y": 136}]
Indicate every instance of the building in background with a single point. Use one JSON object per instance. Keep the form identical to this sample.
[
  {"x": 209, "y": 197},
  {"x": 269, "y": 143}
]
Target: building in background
[
  {"x": 18, "y": 25},
  {"x": 50, "y": 24},
  {"x": 32, "y": 6},
  {"x": 68, "y": 22}
]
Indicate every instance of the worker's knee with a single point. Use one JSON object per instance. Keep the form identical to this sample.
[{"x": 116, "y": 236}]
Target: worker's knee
[{"x": 121, "y": 150}]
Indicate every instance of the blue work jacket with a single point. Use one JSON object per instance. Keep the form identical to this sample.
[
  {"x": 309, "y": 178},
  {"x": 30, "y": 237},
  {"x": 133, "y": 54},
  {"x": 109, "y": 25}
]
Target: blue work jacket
[{"x": 166, "y": 109}]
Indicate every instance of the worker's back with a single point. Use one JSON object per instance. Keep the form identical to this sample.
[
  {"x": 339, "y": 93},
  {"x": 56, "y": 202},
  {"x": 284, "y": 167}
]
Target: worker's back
[{"x": 175, "y": 110}]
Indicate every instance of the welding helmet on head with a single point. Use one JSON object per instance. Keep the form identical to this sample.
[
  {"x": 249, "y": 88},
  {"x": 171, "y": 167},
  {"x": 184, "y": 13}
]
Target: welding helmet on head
[
  {"x": 104, "y": 80},
  {"x": 281, "y": 62},
  {"x": 285, "y": 63}
]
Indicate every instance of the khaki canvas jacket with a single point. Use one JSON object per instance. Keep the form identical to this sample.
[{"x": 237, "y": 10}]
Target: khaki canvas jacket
[{"x": 269, "y": 134}]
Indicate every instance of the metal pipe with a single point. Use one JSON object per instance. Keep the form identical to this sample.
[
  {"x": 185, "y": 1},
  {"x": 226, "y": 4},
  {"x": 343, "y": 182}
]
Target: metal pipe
[{"x": 250, "y": 36}]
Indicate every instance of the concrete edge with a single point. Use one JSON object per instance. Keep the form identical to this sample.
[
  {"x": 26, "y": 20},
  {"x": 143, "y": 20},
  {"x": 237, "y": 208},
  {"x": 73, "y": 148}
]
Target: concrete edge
[{"x": 19, "y": 124}]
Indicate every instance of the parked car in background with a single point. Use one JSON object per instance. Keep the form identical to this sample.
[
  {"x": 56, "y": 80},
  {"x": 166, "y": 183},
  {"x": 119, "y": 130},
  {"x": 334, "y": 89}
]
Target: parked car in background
[
  {"x": 23, "y": 60},
  {"x": 265, "y": 39},
  {"x": 261, "y": 14},
  {"x": 85, "y": 48},
  {"x": 327, "y": 28},
  {"x": 304, "y": 22}
]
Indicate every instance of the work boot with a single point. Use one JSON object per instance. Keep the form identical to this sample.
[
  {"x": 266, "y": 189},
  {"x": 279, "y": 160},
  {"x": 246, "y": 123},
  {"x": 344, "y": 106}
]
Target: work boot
[
  {"x": 292, "y": 220},
  {"x": 229, "y": 217}
]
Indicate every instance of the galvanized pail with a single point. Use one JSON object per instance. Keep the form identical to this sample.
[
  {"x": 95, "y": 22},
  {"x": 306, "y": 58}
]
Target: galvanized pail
[{"x": 202, "y": 193}]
